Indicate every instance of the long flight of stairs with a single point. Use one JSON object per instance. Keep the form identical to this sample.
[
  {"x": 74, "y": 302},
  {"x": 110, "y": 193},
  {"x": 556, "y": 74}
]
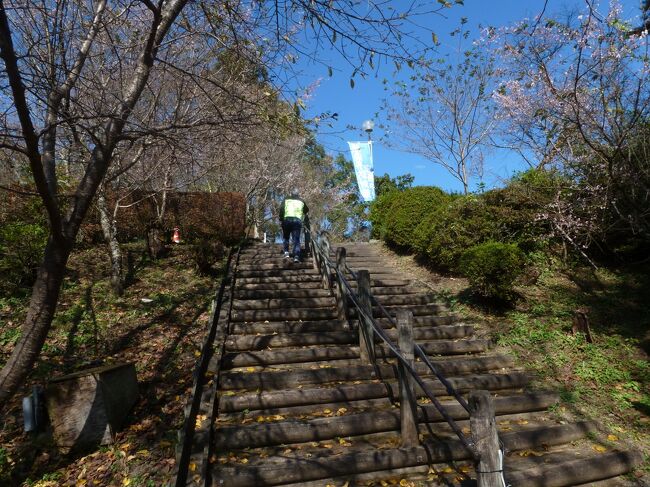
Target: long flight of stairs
[{"x": 297, "y": 407}]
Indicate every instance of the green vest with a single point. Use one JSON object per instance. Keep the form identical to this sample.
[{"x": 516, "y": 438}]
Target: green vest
[{"x": 293, "y": 209}]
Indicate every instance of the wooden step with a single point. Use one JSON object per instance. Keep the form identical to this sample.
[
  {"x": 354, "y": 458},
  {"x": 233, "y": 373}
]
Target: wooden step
[
  {"x": 278, "y": 285},
  {"x": 300, "y": 431},
  {"x": 306, "y": 326},
  {"x": 278, "y": 272},
  {"x": 284, "y": 314},
  {"x": 574, "y": 471},
  {"x": 278, "y": 471},
  {"x": 292, "y": 303},
  {"x": 356, "y": 392},
  {"x": 334, "y": 371},
  {"x": 315, "y": 354},
  {"x": 281, "y": 293},
  {"x": 259, "y": 342},
  {"x": 418, "y": 309},
  {"x": 404, "y": 299},
  {"x": 283, "y": 278}
]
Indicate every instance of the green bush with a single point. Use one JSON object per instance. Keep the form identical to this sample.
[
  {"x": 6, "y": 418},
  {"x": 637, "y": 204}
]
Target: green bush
[
  {"x": 21, "y": 251},
  {"x": 379, "y": 211},
  {"x": 407, "y": 210},
  {"x": 445, "y": 234},
  {"x": 492, "y": 268}
]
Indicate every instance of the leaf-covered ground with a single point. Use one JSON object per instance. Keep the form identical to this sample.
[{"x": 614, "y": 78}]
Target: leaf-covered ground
[
  {"x": 607, "y": 380},
  {"x": 162, "y": 335}
]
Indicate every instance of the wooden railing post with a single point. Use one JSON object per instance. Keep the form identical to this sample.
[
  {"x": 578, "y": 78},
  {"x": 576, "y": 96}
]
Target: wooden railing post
[
  {"x": 484, "y": 434},
  {"x": 325, "y": 271},
  {"x": 341, "y": 297},
  {"x": 315, "y": 257},
  {"x": 408, "y": 405},
  {"x": 307, "y": 231},
  {"x": 366, "y": 335}
]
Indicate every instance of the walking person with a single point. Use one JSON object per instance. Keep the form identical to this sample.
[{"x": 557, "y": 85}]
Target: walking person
[{"x": 292, "y": 213}]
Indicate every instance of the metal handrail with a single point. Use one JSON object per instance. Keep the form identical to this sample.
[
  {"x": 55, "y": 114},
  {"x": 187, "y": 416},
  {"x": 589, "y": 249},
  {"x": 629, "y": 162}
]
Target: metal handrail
[{"x": 467, "y": 442}]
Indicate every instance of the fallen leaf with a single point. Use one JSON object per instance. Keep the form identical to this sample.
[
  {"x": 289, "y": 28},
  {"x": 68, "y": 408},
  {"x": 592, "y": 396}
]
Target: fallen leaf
[
  {"x": 612, "y": 438},
  {"x": 600, "y": 448}
]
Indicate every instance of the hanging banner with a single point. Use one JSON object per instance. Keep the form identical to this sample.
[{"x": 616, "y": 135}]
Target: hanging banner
[{"x": 362, "y": 158}]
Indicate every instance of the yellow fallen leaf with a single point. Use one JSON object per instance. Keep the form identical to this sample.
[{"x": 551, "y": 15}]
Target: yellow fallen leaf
[
  {"x": 342, "y": 411},
  {"x": 404, "y": 483},
  {"x": 192, "y": 467},
  {"x": 612, "y": 438},
  {"x": 126, "y": 481},
  {"x": 522, "y": 421},
  {"x": 260, "y": 419},
  {"x": 197, "y": 353},
  {"x": 144, "y": 453},
  {"x": 327, "y": 411},
  {"x": 600, "y": 448},
  {"x": 250, "y": 369},
  {"x": 244, "y": 460},
  {"x": 125, "y": 446},
  {"x": 448, "y": 470}
]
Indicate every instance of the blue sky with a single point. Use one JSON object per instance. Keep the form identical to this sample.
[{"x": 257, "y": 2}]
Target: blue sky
[{"x": 356, "y": 105}]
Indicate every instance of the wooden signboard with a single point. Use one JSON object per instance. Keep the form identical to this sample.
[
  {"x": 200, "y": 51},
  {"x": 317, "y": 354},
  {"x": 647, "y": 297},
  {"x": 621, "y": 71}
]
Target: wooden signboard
[{"x": 87, "y": 408}]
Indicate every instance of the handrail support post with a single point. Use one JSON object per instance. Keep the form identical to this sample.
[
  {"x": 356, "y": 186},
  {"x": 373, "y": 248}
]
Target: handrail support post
[
  {"x": 484, "y": 434},
  {"x": 366, "y": 333},
  {"x": 408, "y": 404},
  {"x": 341, "y": 296}
]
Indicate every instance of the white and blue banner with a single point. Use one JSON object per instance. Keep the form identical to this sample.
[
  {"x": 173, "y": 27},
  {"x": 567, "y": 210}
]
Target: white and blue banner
[{"x": 362, "y": 158}]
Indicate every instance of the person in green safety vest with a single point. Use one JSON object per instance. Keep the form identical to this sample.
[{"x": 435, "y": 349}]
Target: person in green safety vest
[{"x": 292, "y": 214}]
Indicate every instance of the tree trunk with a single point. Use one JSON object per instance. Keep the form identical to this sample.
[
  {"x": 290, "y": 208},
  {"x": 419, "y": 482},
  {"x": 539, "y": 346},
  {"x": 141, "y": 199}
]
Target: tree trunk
[
  {"x": 109, "y": 229},
  {"x": 155, "y": 243},
  {"x": 45, "y": 295}
]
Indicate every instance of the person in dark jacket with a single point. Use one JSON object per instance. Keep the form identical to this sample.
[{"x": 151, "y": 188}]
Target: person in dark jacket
[{"x": 292, "y": 213}]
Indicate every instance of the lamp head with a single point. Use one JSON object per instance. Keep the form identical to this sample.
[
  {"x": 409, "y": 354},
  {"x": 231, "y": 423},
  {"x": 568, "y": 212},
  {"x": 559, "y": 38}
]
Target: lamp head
[{"x": 368, "y": 125}]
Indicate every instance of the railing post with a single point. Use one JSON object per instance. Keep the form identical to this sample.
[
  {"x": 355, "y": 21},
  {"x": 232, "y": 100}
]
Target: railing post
[
  {"x": 408, "y": 405},
  {"x": 315, "y": 258},
  {"x": 484, "y": 434},
  {"x": 341, "y": 297},
  {"x": 325, "y": 271},
  {"x": 307, "y": 232},
  {"x": 366, "y": 335}
]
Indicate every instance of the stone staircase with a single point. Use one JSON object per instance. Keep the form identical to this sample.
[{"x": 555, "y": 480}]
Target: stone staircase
[{"x": 297, "y": 407}]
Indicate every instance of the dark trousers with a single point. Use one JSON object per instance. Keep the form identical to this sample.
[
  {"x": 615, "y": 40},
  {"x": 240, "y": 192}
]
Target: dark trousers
[{"x": 291, "y": 227}]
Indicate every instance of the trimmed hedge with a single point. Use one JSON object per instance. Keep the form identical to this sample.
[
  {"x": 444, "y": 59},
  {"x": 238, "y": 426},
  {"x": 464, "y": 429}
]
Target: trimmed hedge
[
  {"x": 380, "y": 212},
  {"x": 407, "y": 210},
  {"x": 214, "y": 216},
  {"x": 492, "y": 268}
]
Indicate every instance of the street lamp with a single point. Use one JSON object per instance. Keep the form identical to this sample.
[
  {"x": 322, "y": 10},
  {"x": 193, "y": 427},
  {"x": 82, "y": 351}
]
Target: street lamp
[{"x": 368, "y": 125}]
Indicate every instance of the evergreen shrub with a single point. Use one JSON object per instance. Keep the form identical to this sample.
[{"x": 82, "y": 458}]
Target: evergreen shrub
[
  {"x": 379, "y": 212},
  {"x": 492, "y": 268},
  {"x": 407, "y": 210}
]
